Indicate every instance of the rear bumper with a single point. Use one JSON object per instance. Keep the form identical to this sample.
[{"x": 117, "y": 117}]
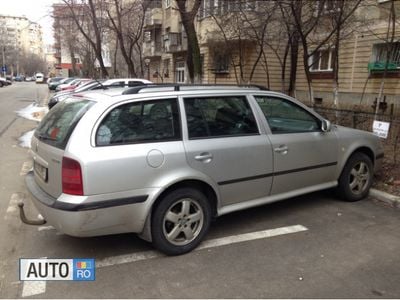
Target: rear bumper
[{"x": 82, "y": 216}]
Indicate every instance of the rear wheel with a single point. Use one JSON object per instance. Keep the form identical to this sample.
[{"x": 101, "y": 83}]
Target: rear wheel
[
  {"x": 180, "y": 221},
  {"x": 356, "y": 178}
]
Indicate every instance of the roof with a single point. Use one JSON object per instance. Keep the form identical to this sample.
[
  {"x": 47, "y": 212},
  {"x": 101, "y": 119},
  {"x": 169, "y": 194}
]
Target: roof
[{"x": 115, "y": 95}]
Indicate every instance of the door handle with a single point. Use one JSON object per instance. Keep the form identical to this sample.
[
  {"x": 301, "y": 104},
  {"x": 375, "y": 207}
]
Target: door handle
[
  {"x": 283, "y": 149},
  {"x": 204, "y": 157}
]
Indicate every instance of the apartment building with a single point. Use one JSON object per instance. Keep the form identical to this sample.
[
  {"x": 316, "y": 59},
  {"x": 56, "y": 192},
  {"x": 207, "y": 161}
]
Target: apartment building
[
  {"x": 19, "y": 36},
  {"x": 229, "y": 58},
  {"x": 67, "y": 60}
]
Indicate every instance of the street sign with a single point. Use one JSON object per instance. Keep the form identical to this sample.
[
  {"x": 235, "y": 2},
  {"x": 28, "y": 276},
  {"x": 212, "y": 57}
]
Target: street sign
[
  {"x": 381, "y": 129},
  {"x": 4, "y": 68}
]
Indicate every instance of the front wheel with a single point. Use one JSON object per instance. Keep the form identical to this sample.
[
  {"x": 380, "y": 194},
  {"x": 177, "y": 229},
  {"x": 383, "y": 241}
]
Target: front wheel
[
  {"x": 356, "y": 178},
  {"x": 180, "y": 221}
]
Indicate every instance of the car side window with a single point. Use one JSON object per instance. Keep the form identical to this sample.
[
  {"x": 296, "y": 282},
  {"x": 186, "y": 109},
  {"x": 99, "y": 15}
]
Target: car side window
[
  {"x": 219, "y": 116},
  {"x": 140, "y": 122},
  {"x": 118, "y": 83},
  {"x": 284, "y": 116},
  {"x": 134, "y": 83}
]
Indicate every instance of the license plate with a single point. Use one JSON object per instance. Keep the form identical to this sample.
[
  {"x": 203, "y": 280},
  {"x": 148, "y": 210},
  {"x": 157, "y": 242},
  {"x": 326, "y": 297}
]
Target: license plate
[{"x": 40, "y": 171}]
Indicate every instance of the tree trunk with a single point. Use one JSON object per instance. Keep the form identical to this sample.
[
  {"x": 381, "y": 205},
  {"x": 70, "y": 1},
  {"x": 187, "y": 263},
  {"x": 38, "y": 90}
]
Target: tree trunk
[
  {"x": 294, "y": 54},
  {"x": 193, "y": 59},
  {"x": 193, "y": 54}
]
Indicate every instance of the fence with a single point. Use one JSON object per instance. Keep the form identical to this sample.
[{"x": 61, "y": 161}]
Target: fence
[{"x": 364, "y": 120}]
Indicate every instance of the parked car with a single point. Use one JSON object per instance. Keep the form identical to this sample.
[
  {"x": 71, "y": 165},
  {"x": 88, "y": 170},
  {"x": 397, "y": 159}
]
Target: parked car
[
  {"x": 67, "y": 83},
  {"x": 19, "y": 78},
  {"x": 74, "y": 84},
  {"x": 53, "y": 82},
  {"x": 164, "y": 161},
  {"x": 123, "y": 82},
  {"x": 3, "y": 82},
  {"x": 95, "y": 85},
  {"x": 39, "y": 78}
]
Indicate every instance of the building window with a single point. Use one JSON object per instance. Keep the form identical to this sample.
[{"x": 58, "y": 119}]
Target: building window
[
  {"x": 379, "y": 54},
  {"x": 167, "y": 3},
  {"x": 322, "y": 60},
  {"x": 221, "y": 7},
  {"x": 221, "y": 63},
  {"x": 180, "y": 72}
]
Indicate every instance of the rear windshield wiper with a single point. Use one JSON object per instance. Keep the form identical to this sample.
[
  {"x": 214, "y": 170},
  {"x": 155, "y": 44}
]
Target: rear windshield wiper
[{"x": 45, "y": 138}]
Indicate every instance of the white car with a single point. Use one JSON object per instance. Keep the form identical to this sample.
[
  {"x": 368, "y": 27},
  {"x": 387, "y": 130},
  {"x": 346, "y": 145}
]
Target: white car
[
  {"x": 123, "y": 82},
  {"x": 39, "y": 78},
  {"x": 3, "y": 82}
]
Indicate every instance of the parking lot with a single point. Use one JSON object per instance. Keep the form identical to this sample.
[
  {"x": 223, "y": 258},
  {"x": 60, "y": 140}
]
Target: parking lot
[{"x": 313, "y": 246}]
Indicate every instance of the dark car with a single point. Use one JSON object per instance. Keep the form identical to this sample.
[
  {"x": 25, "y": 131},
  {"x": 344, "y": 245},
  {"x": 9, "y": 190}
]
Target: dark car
[
  {"x": 54, "y": 82},
  {"x": 19, "y": 78}
]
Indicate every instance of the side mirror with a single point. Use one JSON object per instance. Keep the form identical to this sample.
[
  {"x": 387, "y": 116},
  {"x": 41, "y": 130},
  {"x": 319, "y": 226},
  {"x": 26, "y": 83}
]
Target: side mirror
[{"x": 326, "y": 126}]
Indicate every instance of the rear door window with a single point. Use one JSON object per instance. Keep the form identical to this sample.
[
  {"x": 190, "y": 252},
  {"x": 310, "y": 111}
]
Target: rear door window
[
  {"x": 58, "y": 125},
  {"x": 140, "y": 122},
  {"x": 219, "y": 117}
]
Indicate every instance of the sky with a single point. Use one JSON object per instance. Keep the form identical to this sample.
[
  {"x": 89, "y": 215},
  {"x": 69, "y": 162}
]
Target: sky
[{"x": 35, "y": 10}]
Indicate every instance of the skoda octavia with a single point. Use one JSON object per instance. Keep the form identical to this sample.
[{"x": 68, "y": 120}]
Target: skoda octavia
[{"x": 164, "y": 161}]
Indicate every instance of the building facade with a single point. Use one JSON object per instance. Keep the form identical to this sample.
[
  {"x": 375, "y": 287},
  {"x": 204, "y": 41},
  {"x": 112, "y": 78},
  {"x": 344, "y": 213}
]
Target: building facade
[
  {"x": 19, "y": 37},
  {"x": 67, "y": 60},
  {"x": 228, "y": 57}
]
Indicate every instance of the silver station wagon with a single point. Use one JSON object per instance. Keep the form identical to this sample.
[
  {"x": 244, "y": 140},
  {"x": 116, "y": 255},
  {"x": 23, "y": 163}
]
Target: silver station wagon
[{"x": 164, "y": 161}]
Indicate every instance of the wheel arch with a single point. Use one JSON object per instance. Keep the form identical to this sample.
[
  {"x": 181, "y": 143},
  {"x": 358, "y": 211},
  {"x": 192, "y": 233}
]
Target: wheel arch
[
  {"x": 200, "y": 185},
  {"x": 360, "y": 149}
]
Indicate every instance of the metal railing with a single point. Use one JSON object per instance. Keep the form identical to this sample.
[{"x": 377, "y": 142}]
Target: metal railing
[{"x": 363, "y": 120}]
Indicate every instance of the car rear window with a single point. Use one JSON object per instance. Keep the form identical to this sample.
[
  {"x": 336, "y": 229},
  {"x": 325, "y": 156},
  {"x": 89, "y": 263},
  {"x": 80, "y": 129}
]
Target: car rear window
[{"x": 57, "y": 126}]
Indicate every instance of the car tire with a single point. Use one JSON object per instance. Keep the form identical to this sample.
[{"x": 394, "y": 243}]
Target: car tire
[
  {"x": 1, "y": 84},
  {"x": 356, "y": 178},
  {"x": 180, "y": 221}
]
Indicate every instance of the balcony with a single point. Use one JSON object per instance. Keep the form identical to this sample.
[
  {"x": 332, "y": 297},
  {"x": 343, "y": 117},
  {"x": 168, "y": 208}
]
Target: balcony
[
  {"x": 153, "y": 18},
  {"x": 175, "y": 42},
  {"x": 379, "y": 66},
  {"x": 152, "y": 49}
]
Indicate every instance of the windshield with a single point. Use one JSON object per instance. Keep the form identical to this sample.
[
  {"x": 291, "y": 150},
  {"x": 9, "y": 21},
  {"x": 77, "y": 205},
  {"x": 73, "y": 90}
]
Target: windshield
[{"x": 58, "y": 125}]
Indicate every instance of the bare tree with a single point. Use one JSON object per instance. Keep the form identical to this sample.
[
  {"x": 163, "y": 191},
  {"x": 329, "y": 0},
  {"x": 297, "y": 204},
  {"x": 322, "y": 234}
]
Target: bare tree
[
  {"x": 240, "y": 25},
  {"x": 193, "y": 58},
  {"x": 127, "y": 20},
  {"x": 291, "y": 47},
  {"x": 343, "y": 23},
  {"x": 93, "y": 29},
  {"x": 389, "y": 39}
]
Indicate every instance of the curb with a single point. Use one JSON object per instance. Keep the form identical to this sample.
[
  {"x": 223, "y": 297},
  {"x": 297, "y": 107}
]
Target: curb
[{"x": 392, "y": 200}]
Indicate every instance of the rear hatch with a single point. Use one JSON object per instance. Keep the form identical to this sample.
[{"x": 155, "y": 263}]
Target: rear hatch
[{"x": 50, "y": 140}]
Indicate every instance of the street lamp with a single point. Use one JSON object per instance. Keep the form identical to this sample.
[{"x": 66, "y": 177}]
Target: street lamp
[{"x": 147, "y": 63}]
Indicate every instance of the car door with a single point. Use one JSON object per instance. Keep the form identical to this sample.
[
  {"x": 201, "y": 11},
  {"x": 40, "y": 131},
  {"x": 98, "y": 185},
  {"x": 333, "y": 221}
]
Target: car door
[
  {"x": 304, "y": 156},
  {"x": 224, "y": 142}
]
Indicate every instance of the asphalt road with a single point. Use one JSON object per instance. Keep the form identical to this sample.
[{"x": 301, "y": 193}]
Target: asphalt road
[{"x": 346, "y": 250}]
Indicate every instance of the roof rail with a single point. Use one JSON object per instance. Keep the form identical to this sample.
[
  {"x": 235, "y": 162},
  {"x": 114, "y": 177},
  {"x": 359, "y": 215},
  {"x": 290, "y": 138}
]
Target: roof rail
[{"x": 186, "y": 87}]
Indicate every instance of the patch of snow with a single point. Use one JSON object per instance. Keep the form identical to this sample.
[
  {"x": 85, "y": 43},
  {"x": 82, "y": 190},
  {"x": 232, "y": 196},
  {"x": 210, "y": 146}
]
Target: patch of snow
[
  {"x": 33, "y": 112},
  {"x": 25, "y": 140}
]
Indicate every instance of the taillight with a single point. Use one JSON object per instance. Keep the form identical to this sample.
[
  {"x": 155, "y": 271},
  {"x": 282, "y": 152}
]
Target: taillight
[{"x": 71, "y": 177}]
